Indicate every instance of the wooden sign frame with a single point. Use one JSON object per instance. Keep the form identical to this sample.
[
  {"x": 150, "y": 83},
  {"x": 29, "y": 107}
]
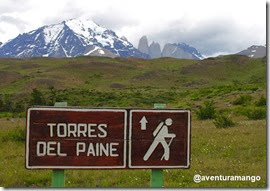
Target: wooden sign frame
[
  {"x": 170, "y": 111},
  {"x": 28, "y": 160}
]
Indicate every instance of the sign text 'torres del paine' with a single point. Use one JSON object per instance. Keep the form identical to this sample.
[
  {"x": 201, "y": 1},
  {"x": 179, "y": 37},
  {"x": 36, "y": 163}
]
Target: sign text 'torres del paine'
[{"x": 78, "y": 138}]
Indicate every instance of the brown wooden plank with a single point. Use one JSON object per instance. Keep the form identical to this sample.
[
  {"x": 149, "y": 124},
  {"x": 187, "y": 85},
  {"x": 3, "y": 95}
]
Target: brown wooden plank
[
  {"x": 74, "y": 130},
  {"x": 178, "y": 146}
]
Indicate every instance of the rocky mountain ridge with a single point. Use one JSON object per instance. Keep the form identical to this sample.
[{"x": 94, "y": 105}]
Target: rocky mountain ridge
[
  {"x": 175, "y": 50},
  {"x": 254, "y": 51}
]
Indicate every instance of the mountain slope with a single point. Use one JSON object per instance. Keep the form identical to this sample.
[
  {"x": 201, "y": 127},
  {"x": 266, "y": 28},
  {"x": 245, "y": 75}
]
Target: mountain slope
[
  {"x": 69, "y": 39},
  {"x": 254, "y": 51},
  {"x": 181, "y": 50}
]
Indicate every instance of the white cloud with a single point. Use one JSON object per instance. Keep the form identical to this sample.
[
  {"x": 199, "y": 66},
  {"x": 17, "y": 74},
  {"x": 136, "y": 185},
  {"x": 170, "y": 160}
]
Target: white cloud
[{"x": 209, "y": 25}]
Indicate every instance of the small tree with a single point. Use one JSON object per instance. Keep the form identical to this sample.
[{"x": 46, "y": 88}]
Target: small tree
[
  {"x": 7, "y": 104},
  {"x": 52, "y": 96},
  {"x": 207, "y": 111},
  {"x": 37, "y": 98}
]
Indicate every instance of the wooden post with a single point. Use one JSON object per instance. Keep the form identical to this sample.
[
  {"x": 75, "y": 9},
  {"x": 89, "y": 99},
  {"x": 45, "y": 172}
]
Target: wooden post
[
  {"x": 58, "y": 176},
  {"x": 157, "y": 174}
]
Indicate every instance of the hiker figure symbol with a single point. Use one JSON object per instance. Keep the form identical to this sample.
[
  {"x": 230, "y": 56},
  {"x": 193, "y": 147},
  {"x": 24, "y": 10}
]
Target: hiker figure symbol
[{"x": 161, "y": 133}]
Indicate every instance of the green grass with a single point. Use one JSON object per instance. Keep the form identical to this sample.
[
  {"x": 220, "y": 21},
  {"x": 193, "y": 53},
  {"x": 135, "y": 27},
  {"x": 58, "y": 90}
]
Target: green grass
[{"x": 240, "y": 150}]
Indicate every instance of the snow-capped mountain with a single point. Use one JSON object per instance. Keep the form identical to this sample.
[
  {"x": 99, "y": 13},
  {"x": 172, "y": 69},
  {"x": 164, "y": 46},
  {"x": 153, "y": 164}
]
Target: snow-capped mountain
[
  {"x": 254, "y": 51},
  {"x": 69, "y": 38}
]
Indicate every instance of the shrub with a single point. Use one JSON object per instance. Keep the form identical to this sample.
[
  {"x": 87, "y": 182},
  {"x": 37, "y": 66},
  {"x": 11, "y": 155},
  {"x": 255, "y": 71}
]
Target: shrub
[
  {"x": 1, "y": 104},
  {"x": 17, "y": 134},
  {"x": 261, "y": 102},
  {"x": 19, "y": 107},
  {"x": 207, "y": 111},
  {"x": 222, "y": 121},
  {"x": 256, "y": 113},
  {"x": 242, "y": 100},
  {"x": 240, "y": 110},
  {"x": 52, "y": 95},
  {"x": 6, "y": 104},
  {"x": 37, "y": 98}
]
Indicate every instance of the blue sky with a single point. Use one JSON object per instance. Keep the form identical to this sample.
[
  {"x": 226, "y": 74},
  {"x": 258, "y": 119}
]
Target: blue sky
[{"x": 212, "y": 26}]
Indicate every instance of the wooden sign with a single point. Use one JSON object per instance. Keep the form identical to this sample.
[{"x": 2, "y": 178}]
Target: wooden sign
[
  {"x": 66, "y": 138},
  {"x": 76, "y": 138},
  {"x": 159, "y": 139}
]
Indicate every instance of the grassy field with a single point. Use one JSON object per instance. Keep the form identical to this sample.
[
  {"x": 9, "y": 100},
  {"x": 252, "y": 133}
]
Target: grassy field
[
  {"x": 240, "y": 150},
  {"x": 235, "y": 84}
]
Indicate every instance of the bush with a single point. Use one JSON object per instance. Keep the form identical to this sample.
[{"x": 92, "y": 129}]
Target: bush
[
  {"x": 256, "y": 113},
  {"x": 37, "y": 98},
  {"x": 242, "y": 100},
  {"x": 19, "y": 107},
  {"x": 207, "y": 111},
  {"x": 240, "y": 110},
  {"x": 222, "y": 121},
  {"x": 6, "y": 104},
  {"x": 17, "y": 135},
  {"x": 261, "y": 102}
]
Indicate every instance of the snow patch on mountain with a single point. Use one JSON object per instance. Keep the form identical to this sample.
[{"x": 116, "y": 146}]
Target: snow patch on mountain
[
  {"x": 81, "y": 27},
  {"x": 101, "y": 51},
  {"x": 51, "y": 33},
  {"x": 93, "y": 50}
]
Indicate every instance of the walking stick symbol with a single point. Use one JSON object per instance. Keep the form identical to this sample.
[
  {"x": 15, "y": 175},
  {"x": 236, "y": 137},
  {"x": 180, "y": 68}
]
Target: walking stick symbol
[
  {"x": 168, "y": 146},
  {"x": 160, "y": 133}
]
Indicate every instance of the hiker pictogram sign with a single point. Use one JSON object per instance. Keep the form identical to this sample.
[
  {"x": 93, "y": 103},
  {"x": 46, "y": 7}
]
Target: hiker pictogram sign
[
  {"x": 68, "y": 138},
  {"x": 159, "y": 139}
]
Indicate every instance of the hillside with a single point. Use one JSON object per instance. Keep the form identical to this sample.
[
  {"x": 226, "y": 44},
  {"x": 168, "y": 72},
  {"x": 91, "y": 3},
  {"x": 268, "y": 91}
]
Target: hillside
[{"x": 165, "y": 79}]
